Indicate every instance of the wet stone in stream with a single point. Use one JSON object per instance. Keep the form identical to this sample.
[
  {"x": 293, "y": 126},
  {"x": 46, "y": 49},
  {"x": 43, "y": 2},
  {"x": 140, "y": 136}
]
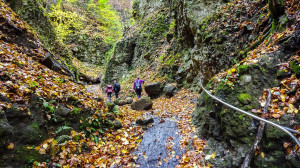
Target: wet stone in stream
[{"x": 159, "y": 144}]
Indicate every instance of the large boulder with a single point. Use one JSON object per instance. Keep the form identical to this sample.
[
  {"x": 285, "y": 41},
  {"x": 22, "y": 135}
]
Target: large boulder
[
  {"x": 169, "y": 90},
  {"x": 153, "y": 90},
  {"x": 62, "y": 111},
  {"x": 117, "y": 124},
  {"x": 145, "y": 103},
  {"x": 123, "y": 101},
  {"x": 31, "y": 133},
  {"x": 6, "y": 129},
  {"x": 144, "y": 122}
]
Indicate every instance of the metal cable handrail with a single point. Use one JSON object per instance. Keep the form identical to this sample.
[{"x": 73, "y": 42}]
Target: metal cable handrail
[{"x": 285, "y": 129}]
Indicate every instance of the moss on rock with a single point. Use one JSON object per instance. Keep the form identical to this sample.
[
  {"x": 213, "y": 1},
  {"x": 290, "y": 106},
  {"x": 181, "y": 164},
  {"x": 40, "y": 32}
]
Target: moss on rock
[
  {"x": 244, "y": 98},
  {"x": 295, "y": 67},
  {"x": 27, "y": 156},
  {"x": 282, "y": 73},
  {"x": 242, "y": 69}
]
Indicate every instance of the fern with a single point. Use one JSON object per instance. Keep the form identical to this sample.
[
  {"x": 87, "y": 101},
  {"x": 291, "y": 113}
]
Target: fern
[
  {"x": 62, "y": 128},
  {"x": 63, "y": 138}
]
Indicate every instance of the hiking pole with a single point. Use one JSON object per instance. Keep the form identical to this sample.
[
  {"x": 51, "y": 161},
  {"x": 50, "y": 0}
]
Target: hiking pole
[{"x": 286, "y": 130}]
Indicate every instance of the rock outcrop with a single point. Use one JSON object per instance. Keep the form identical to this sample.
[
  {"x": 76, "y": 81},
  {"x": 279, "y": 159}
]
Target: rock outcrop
[
  {"x": 228, "y": 130},
  {"x": 140, "y": 42},
  {"x": 123, "y": 101},
  {"x": 169, "y": 90},
  {"x": 144, "y": 103},
  {"x": 144, "y": 122},
  {"x": 153, "y": 90},
  {"x": 35, "y": 100}
]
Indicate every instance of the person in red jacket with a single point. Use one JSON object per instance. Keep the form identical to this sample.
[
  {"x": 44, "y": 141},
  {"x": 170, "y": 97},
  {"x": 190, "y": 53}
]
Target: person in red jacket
[{"x": 109, "y": 90}]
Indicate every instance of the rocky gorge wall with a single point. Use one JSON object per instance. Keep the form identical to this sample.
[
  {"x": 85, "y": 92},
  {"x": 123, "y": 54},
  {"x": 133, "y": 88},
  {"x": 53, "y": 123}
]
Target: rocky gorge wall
[
  {"x": 138, "y": 47},
  {"x": 86, "y": 45},
  {"x": 231, "y": 134},
  {"x": 210, "y": 37},
  {"x": 36, "y": 102}
]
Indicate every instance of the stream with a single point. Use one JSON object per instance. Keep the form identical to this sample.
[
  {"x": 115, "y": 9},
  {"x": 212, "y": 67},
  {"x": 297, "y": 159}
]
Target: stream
[{"x": 153, "y": 150}]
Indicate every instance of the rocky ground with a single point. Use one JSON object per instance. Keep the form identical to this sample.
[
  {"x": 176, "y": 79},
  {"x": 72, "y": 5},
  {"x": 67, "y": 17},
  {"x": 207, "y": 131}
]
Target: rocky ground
[{"x": 169, "y": 138}]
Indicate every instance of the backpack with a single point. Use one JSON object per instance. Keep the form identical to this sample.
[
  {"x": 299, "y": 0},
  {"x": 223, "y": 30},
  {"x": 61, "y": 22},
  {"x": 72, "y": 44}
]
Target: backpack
[
  {"x": 117, "y": 87},
  {"x": 109, "y": 89},
  {"x": 138, "y": 86}
]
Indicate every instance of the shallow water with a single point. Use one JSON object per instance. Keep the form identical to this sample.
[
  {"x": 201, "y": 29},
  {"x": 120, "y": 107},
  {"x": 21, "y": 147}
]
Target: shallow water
[{"x": 153, "y": 148}]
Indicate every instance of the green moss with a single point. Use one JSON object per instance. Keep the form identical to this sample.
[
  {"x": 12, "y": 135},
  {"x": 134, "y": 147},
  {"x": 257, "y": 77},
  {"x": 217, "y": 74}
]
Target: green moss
[
  {"x": 223, "y": 111},
  {"x": 271, "y": 145},
  {"x": 247, "y": 107},
  {"x": 223, "y": 87},
  {"x": 242, "y": 69},
  {"x": 27, "y": 156},
  {"x": 244, "y": 98},
  {"x": 35, "y": 126},
  {"x": 263, "y": 69},
  {"x": 242, "y": 116},
  {"x": 118, "y": 101},
  {"x": 273, "y": 133},
  {"x": 208, "y": 37},
  {"x": 295, "y": 67},
  {"x": 282, "y": 73},
  {"x": 247, "y": 139}
]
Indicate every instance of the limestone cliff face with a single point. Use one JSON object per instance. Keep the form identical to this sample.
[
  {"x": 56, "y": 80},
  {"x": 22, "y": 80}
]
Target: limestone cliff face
[
  {"x": 189, "y": 15},
  {"x": 198, "y": 56},
  {"x": 153, "y": 19},
  {"x": 141, "y": 40}
]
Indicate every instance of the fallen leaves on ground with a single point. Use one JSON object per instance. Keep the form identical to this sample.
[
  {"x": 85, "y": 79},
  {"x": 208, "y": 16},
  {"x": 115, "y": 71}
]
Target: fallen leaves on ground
[{"x": 115, "y": 147}]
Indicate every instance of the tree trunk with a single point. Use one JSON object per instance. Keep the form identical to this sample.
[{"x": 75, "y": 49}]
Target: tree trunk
[
  {"x": 258, "y": 137},
  {"x": 276, "y": 8}
]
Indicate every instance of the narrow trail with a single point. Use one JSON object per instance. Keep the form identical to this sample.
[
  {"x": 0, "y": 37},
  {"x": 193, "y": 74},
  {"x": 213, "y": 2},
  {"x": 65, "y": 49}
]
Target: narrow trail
[{"x": 171, "y": 140}]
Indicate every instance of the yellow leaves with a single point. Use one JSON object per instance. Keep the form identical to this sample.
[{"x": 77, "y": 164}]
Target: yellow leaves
[
  {"x": 186, "y": 159},
  {"x": 73, "y": 133},
  {"x": 262, "y": 154},
  {"x": 276, "y": 115},
  {"x": 286, "y": 144},
  {"x": 45, "y": 146},
  {"x": 144, "y": 155},
  {"x": 213, "y": 155},
  {"x": 125, "y": 141},
  {"x": 282, "y": 97},
  {"x": 10, "y": 146},
  {"x": 29, "y": 147},
  {"x": 42, "y": 151},
  {"x": 124, "y": 151},
  {"x": 116, "y": 145},
  {"x": 292, "y": 109}
]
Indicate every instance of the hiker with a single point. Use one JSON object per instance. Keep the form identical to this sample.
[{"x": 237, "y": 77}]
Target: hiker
[
  {"x": 109, "y": 90},
  {"x": 137, "y": 87},
  {"x": 117, "y": 88}
]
